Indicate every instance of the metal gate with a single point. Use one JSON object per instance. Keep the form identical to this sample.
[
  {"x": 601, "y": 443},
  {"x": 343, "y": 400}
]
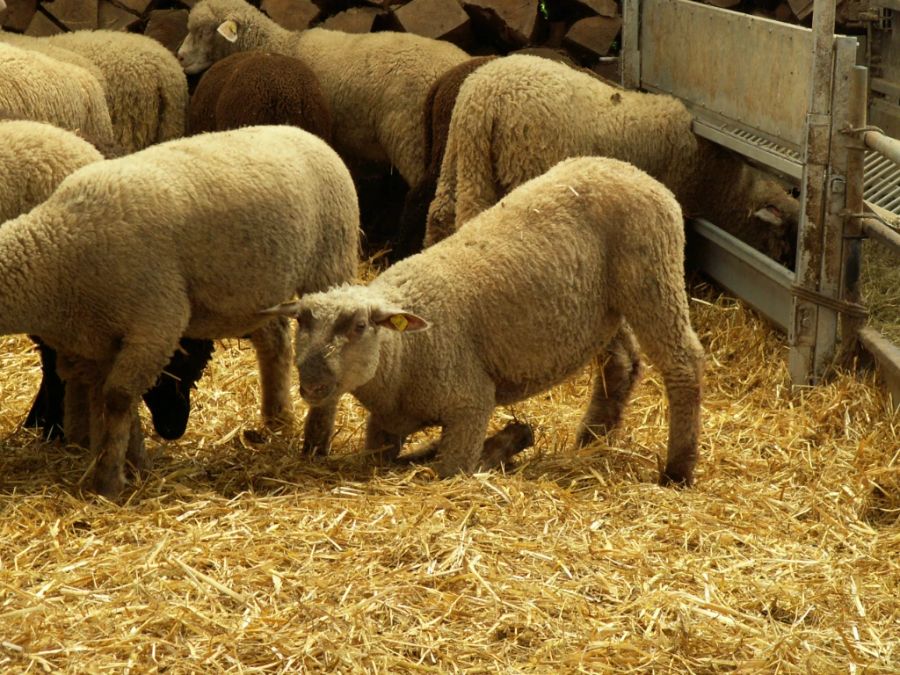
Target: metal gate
[{"x": 793, "y": 100}]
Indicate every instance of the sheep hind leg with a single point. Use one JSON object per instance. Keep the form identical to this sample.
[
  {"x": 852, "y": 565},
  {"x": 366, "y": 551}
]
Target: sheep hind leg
[
  {"x": 462, "y": 442},
  {"x": 497, "y": 451},
  {"x": 621, "y": 369},
  {"x": 672, "y": 346},
  {"x": 273, "y": 354}
]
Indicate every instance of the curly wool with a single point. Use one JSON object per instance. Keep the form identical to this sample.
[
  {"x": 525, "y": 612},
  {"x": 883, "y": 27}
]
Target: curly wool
[
  {"x": 146, "y": 89},
  {"x": 36, "y": 87}
]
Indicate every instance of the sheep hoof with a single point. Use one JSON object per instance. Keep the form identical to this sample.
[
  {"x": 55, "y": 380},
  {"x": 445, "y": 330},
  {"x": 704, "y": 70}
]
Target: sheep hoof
[
  {"x": 109, "y": 483},
  {"x": 676, "y": 479},
  {"x": 500, "y": 448}
]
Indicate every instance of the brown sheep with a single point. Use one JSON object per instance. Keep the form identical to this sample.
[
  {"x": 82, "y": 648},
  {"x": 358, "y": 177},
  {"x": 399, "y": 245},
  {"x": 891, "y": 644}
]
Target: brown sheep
[{"x": 257, "y": 87}]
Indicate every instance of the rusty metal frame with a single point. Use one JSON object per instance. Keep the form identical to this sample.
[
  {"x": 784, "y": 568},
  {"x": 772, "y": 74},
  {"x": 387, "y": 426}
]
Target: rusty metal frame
[{"x": 823, "y": 289}]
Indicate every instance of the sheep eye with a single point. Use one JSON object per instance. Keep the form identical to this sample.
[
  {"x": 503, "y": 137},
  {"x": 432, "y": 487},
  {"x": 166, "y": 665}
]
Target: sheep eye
[{"x": 359, "y": 328}]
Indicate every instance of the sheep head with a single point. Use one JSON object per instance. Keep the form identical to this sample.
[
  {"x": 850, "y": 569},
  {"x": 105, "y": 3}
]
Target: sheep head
[
  {"x": 339, "y": 338},
  {"x": 216, "y": 29}
]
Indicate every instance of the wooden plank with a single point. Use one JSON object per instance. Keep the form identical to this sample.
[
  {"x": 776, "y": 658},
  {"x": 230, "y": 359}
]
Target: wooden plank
[{"x": 887, "y": 356}]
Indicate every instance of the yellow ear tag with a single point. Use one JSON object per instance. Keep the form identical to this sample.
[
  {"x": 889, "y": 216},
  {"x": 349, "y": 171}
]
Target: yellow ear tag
[
  {"x": 400, "y": 322},
  {"x": 228, "y": 30}
]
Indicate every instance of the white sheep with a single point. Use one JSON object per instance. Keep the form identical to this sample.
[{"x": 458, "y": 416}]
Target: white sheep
[
  {"x": 58, "y": 53},
  {"x": 375, "y": 83},
  {"x": 176, "y": 240},
  {"x": 521, "y": 297},
  {"x": 34, "y": 158},
  {"x": 517, "y": 116},
  {"x": 36, "y": 87},
  {"x": 146, "y": 89}
]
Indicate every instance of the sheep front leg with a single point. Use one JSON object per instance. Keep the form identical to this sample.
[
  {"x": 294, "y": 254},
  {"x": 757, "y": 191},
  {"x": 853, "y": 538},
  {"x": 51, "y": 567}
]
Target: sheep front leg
[
  {"x": 383, "y": 444},
  {"x": 612, "y": 387},
  {"x": 462, "y": 441},
  {"x": 318, "y": 428},
  {"x": 117, "y": 411},
  {"x": 273, "y": 354},
  {"x": 672, "y": 346},
  {"x": 115, "y": 424}
]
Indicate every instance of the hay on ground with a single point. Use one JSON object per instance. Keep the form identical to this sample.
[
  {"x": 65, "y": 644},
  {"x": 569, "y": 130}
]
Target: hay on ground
[{"x": 239, "y": 557}]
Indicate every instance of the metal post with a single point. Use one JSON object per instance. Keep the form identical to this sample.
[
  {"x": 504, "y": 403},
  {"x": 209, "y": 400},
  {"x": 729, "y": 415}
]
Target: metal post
[
  {"x": 631, "y": 55},
  {"x": 856, "y": 157},
  {"x": 802, "y": 331},
  {"x": 835, "y": 197}
]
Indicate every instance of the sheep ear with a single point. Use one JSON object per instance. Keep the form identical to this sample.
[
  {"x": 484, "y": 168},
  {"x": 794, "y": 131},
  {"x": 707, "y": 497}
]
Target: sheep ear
[
  {"x": 402, "y": 322},
  {"x": 770, "y": 214},
  {"x": 291, "y": 308},
  {"x": 228, "y": 30}
]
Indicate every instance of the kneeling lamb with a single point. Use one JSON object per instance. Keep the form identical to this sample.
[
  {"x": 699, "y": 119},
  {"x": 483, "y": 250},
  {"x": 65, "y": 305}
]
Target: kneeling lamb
[
  {"x": 176, "y": 240},
  {"x": 523, "y": 296}
]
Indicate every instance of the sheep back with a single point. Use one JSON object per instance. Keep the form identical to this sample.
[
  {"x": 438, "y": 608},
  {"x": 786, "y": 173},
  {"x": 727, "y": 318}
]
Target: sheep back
[
  {"x": 146, "y": 91},
  {"x": 252, "y": 88},
  {"x": 36, "y": 87},
  {"x": 519, "y": 115},
  {"x": 35, "y": 157},
  {"x": 197, "y": 233}
]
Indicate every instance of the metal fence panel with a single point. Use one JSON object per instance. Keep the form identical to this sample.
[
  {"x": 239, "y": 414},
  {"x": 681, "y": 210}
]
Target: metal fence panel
[{"x": 734, "y": 65}]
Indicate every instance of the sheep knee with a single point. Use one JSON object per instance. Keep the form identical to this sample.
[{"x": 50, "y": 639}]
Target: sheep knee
[{"x": 273, "y": 353}]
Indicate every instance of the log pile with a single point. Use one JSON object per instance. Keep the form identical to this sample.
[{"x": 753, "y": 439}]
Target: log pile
[{"x": 586, "y": 30}]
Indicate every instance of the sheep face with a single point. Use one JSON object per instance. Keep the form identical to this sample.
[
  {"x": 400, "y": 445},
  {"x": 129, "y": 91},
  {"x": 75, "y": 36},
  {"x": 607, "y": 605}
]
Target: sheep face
[
  {"x": 209, "y": 39},
  {"x": 339, "y": 339},
  {"x": 778, "y": 216}
]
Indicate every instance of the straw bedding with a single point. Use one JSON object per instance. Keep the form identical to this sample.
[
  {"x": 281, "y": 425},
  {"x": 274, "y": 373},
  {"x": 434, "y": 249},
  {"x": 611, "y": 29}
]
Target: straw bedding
[
  {"x": 245, "y": 557},
  {"x": 880, "y": 282}
]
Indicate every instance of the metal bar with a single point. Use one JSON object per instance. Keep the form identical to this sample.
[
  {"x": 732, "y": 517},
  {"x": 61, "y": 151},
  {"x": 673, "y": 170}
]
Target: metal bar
[
  {"x": 881, "y": 233},
  {"x": 887, "y": 355},
  {"x": 631, "y": 54},
  {"x": 755, "y": 278},
  {"x": 831, "y": 271},
  {"x": 855, "y": 151},
  {"x": 803, "y": 327},
  {"x": 763, "y": 155},
  {"x": 887, "y": 146}
]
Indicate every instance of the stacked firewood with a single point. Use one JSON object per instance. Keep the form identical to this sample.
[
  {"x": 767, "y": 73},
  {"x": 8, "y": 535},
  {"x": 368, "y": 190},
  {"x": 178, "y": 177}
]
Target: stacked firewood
[{"x": 587, "y": 30}]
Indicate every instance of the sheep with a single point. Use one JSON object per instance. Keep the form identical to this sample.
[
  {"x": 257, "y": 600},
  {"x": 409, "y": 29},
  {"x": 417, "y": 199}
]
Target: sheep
[
  {"x": 251, "y": 88},
  {"x": 34, "y": 159},
  {"x": 146, "y": 89},
  {"x": 517, "y": 116},
  {"x": 375, "y": 83},
  {"x": 176, "y": 240},
  {"x": 438, "y": 110},
  {"x": 519, "y": 298},
  {"x": 58, "y": 53},
  {"x": 36, "y": 87}
]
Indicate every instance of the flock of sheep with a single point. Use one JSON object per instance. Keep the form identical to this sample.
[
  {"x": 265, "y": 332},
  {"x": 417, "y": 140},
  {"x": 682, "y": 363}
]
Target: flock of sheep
[{"x": 554, "y": 233}]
